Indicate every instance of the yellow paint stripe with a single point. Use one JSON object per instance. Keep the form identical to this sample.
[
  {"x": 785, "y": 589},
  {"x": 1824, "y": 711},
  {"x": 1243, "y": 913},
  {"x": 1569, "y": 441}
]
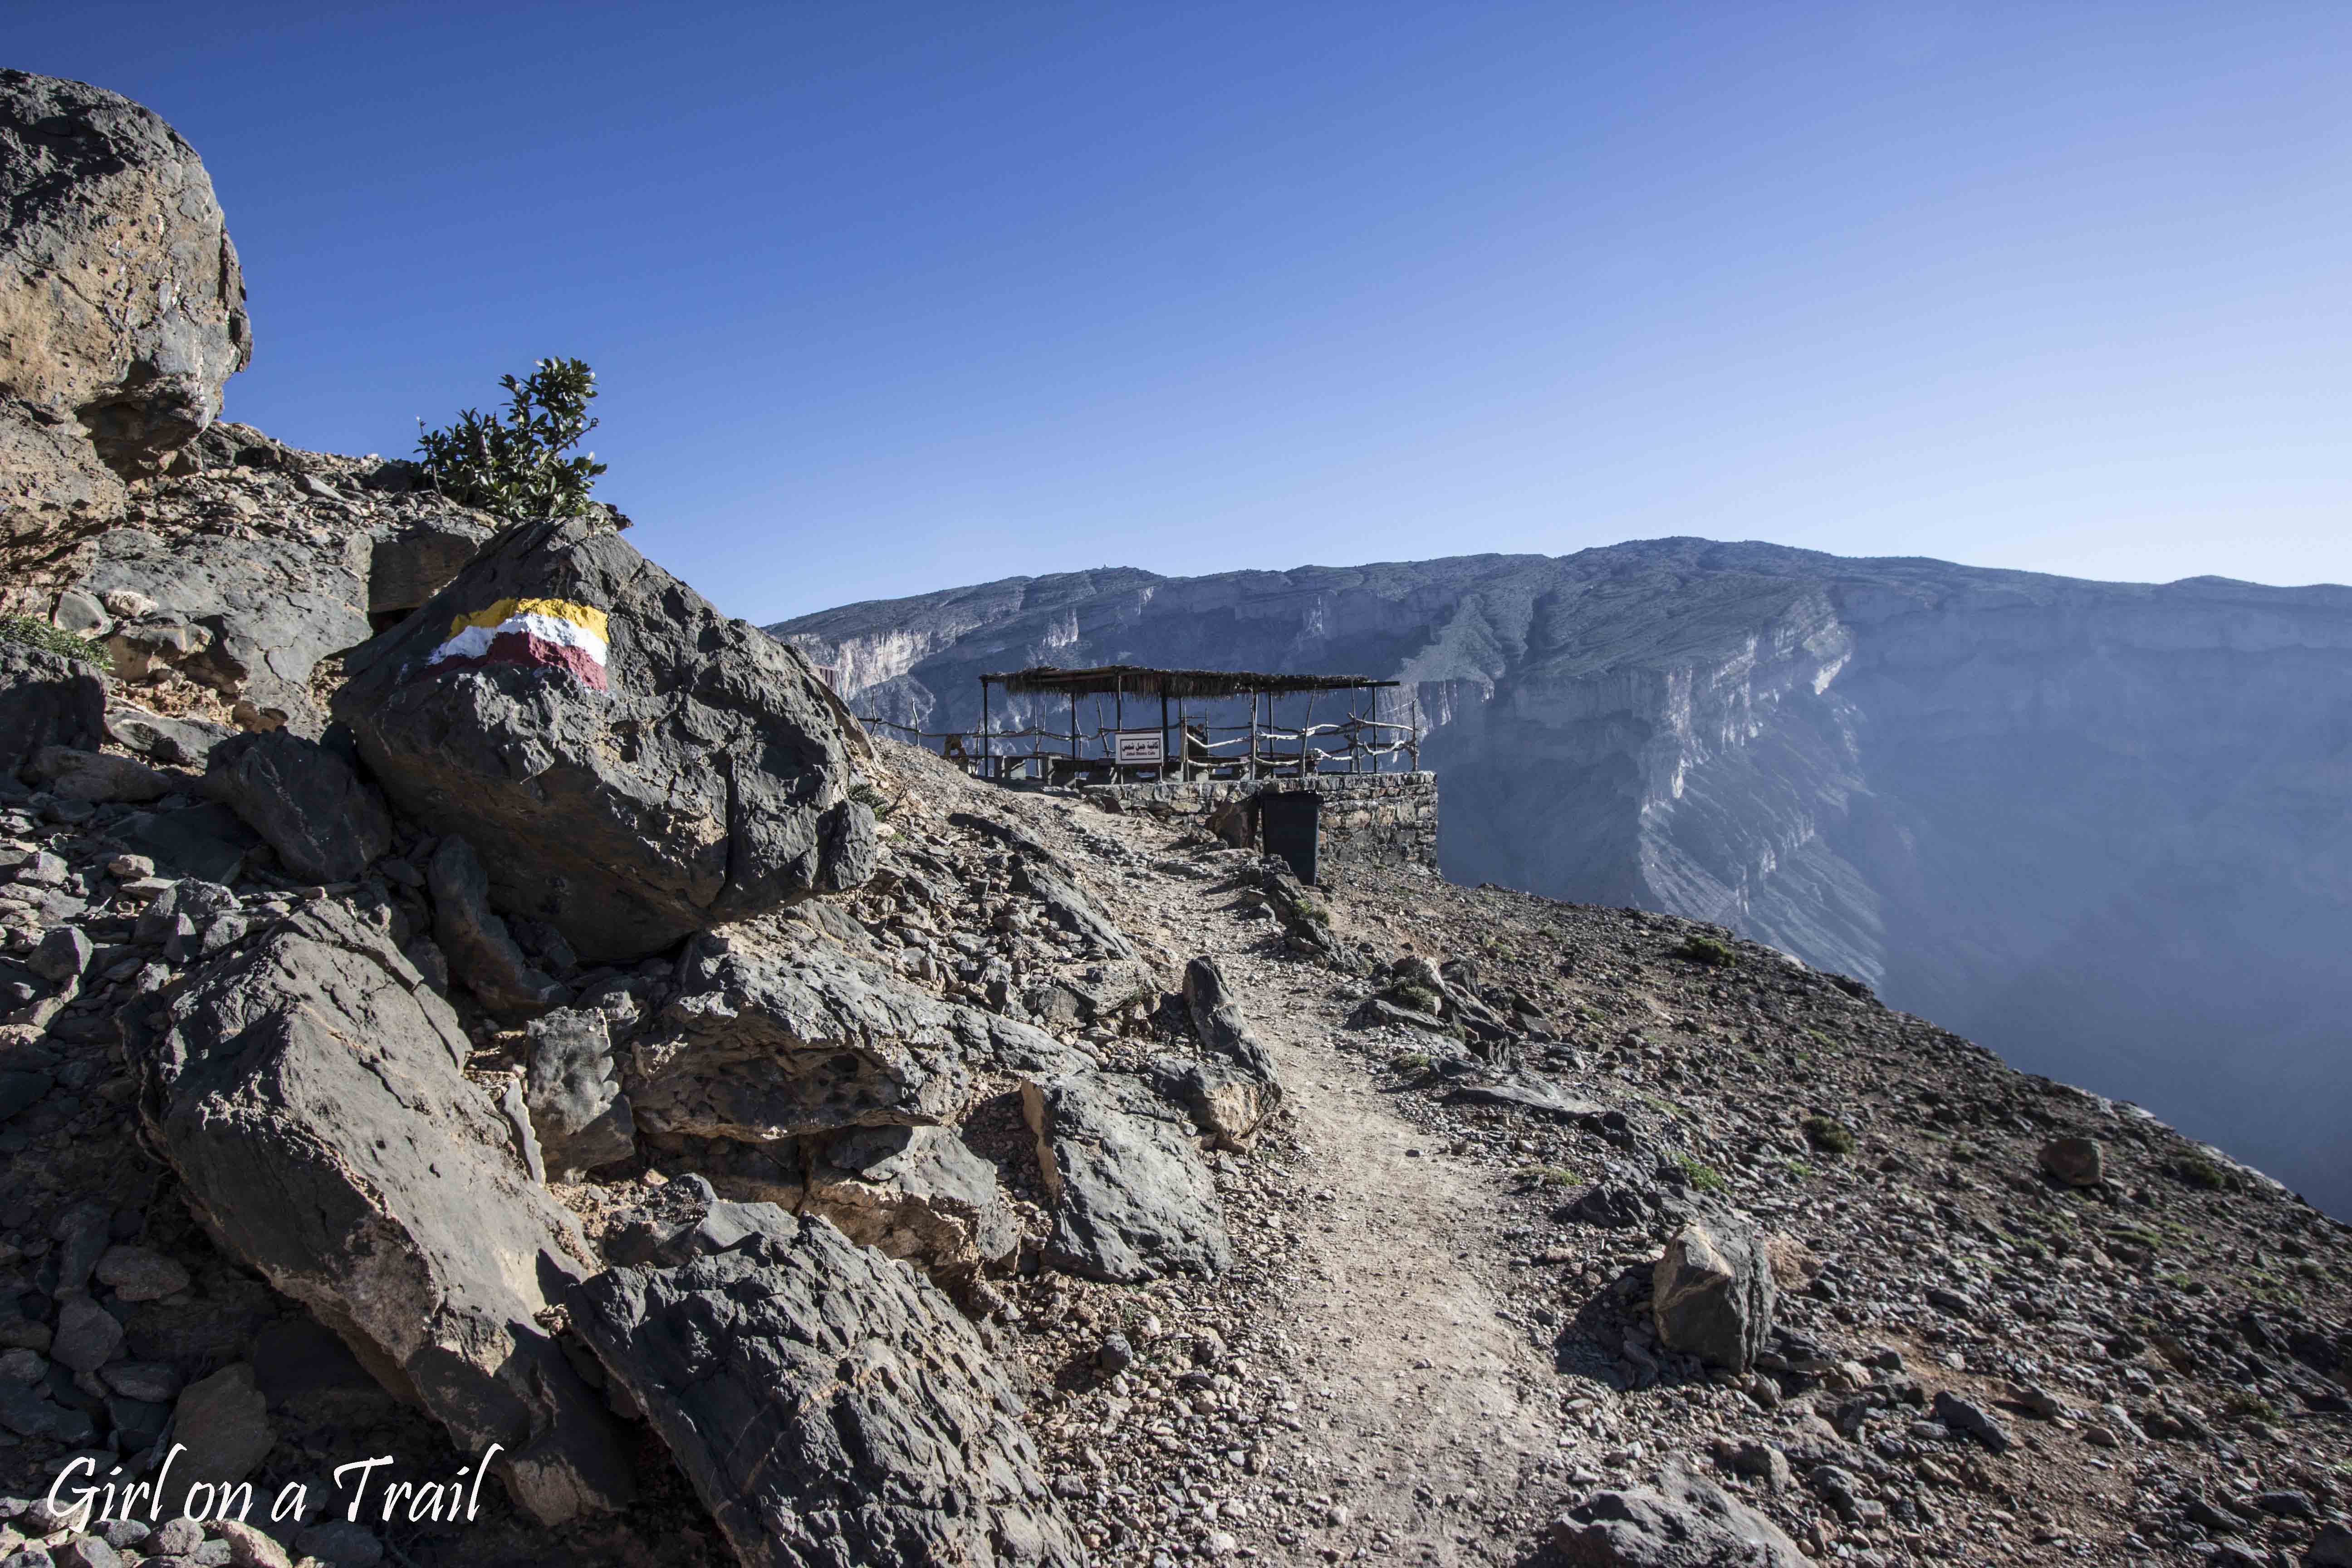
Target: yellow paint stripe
[{"x": 586, "y": 616}]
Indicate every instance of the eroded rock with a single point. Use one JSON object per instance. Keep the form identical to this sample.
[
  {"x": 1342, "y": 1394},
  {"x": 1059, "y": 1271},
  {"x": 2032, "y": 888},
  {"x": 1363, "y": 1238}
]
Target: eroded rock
[
  {"x": 1678, "y": 1520},
  {"x": 1712, "y": 1293},
  {"x": 830, "y": 1407},
  {"x": 326, "y": 823},
  {"x": 308, "y": 1089},
  {"x": 1131, "y": 1198},
  {"x": 915, "y": 1193}
]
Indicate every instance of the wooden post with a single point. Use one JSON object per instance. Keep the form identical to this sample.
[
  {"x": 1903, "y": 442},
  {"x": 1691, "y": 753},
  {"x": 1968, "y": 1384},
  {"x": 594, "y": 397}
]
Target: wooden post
[
  {"x": 1163, "y": 730},
  {"x": 1117, "y": 725},
  {"x": 1074, "y": 732},
  {"x": 1253, "y": 767},
  {"x": 983, "y": 727}
]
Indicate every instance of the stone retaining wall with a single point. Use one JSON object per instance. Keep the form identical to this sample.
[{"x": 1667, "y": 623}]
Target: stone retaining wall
[{"x": 1381, "y": 817}]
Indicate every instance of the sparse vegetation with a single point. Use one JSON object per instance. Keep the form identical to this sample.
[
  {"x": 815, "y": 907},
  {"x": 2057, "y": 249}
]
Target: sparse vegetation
[
  {"x": 2199, "y": 1171},
  {"x": 513, "y": 464},
  {"x": 873, "y": 800},
  {"x": 1556, "y": 1176},
  {"x": 1410, "y": 1062},
  {"x": 1706, "y": 949},
  {"x": 1828, "y": 1134},
  {"x": 1704, "y": 1177},
  {"x": 1419, "y": 999},
  {"x": 41, "y": 634}
]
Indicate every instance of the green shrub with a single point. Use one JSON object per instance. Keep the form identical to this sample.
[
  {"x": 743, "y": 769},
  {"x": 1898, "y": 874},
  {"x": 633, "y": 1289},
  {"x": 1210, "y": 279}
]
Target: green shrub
[
  {"x": 1706, "y": 949},
  {"x": 1419, "y": 999},
  {"x": 1410, "y": 1062},
  {"x": 1546, "y": 1176},
  {"x": 41, "y": 634},
  {"x": 1829, "y": 1135},
  {"x": 513, "y": 465},
  {"x": 873, "y": 800},
  {"x": 2199, "y": 1171},
  {"x": 1706, "y": 1178}
]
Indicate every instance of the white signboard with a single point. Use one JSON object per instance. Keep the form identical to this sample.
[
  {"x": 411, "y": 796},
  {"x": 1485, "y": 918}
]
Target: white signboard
[{"x": 1147, "y": 747}]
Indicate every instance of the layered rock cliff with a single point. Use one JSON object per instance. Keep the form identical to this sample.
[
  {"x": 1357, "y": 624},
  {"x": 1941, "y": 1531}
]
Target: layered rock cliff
[{"x": 2100, "y": 826}]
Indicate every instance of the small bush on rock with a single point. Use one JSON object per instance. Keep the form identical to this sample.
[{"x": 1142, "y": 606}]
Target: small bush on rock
[
  {"x": 1706, "y": 949},
  {"x": 1829, "y": 1135},
  {"x": 513, "y": 465},
  {"x": 41, "y": 634}
]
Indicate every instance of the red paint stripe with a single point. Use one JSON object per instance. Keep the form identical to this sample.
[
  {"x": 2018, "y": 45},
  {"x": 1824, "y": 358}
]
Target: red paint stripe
[{"x": 520, "y": 648}]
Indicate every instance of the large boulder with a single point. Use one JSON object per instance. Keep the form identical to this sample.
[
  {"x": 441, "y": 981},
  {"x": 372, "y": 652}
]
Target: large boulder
[
  {"x": 308, "y": 1089},
  {"x": 326, "y": 823},
  {"x": 772, "y": 1037},
  {"x": 47, "y": 699},
  {"x": 830, "y": 1407},
  {"x": 630, "y": 765},
  {"x": 1132, "y": 1199},
  {"x": 121, "y": 304},
  {"x": 1679, "y": 1521},
  {"x": 1712, "y": 1293}
]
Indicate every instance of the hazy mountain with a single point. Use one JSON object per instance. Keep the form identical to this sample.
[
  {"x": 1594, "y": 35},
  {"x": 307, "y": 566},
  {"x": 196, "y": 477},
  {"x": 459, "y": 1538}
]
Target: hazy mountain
[{"x": 2102, "y": 827}]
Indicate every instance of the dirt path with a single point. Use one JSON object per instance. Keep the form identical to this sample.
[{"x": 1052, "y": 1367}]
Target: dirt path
[{"x": 1421, "y": 1402}]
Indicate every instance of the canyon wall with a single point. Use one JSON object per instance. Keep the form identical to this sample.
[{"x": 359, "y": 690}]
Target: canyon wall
[{"x": 2101, "y": 827}]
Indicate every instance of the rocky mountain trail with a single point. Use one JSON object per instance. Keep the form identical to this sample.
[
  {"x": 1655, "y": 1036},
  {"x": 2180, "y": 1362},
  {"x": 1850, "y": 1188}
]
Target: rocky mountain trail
[{"x": 569, "y": 1077}]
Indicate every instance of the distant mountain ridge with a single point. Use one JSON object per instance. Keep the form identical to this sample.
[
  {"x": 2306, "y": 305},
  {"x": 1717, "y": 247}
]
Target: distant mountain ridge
[{"x": 2101, "y": 827}]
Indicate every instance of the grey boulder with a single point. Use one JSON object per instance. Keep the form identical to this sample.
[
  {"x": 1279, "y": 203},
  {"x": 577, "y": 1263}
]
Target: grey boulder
[
  {"x": 573, "y": 1088},
  {"x": 830, "y": 1407},
  {"x": 1678, "y": 1520},
  {"x": 179, "y": 742},
  {"x": 645, "y": 769},
  {"x": 47, "y": 699},
  {"x": 1131, "y": 1198},
  {"x": 310, "y": 1092},
  {"x": 326, "y": 823},
  {"x": 1712, "y": 1294}
]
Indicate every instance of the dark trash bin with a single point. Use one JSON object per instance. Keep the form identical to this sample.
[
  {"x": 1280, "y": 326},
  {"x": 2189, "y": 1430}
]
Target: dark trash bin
[{"x": 1292, "y": 821}]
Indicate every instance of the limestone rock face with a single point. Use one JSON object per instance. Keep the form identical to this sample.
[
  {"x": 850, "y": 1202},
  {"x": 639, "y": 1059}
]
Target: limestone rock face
[
  {"x": 770, "y": 1038},
  {"x": 630, "y": 765},
  {"x": 829, "y": 1406},
  {"x": 121, "y": 304},
  {"x": 308, "y": 1089}
]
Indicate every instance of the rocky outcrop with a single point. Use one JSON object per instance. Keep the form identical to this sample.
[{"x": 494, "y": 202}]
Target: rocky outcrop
[
  {"x": 308, "y": 1090},
  {"x": 772, "y": 1038},
  {"x": 1678, "y": 1520},
  {"x": 46, "y": 700},
  {"x": 1131, "y": 1198},
  {"x": 481, "y": 950},
  {"x": 122, "y": 303},
  {"x": 829, "y": 1406},
  {"x": 630, "y": 765}
]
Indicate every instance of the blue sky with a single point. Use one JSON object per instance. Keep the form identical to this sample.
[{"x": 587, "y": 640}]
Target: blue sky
[{"x": 887, "y": 296}]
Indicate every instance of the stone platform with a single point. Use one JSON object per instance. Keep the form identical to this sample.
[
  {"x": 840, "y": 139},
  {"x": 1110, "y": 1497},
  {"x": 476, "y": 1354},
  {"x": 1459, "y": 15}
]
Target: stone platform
[{"x": 1384, "y": 818}]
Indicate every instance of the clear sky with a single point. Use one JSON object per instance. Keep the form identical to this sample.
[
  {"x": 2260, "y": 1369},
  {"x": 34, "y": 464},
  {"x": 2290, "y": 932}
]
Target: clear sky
[{"x": 887, "y": 297}]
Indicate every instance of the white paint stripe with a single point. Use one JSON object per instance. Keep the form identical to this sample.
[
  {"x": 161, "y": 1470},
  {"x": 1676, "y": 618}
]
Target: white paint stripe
[{"x": 475, "y": 641}]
